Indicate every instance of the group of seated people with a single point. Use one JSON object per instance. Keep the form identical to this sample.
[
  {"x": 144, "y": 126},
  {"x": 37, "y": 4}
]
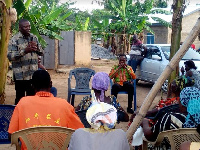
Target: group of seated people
[
  {"x": 103, "y": 111},
  {"x": 185, "y": 92}
]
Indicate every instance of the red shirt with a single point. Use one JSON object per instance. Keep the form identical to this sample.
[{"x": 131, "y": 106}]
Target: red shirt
[
  {"x": 137, "y": 43},
  {"x": 193, "y": 46}
]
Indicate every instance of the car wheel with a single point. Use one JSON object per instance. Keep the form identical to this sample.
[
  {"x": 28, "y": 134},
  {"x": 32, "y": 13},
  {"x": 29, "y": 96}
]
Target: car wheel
[{"x": 165, "y": 86}]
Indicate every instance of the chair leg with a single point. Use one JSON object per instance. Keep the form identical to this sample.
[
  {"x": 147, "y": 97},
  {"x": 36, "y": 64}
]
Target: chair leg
[
  {"x": 69, "y": 97},
  {"x": 72, "y": 101},
  {"x": 144, "y": 145},
  {"x": 134, "y": 96}
]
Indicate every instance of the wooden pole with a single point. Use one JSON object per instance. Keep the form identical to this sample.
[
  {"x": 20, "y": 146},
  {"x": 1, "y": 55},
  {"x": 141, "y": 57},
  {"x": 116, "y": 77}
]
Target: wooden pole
[{"x": 156, "y": 87}]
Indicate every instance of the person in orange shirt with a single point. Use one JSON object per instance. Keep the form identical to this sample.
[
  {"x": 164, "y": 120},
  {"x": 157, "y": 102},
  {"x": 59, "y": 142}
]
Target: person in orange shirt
[
  {"x": 43, "y": 109},
  {"x": 122, "y": 75}
]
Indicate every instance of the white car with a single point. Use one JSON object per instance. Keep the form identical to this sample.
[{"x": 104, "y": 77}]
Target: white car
[{"x": 157, "y": 59}]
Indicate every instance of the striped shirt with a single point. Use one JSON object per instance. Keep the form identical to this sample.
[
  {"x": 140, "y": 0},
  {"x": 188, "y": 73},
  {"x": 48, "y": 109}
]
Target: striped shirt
[
  {"x": 24, "y": 65},
  {"x": 169, "y": 121},
  {"x": 122, "y": 75}
]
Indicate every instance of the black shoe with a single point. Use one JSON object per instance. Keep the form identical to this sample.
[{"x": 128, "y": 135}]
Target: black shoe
[{"x": 130, "y": 110}]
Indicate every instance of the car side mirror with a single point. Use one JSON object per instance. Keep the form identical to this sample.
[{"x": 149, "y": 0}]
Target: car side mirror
[{"x": 156, "y": 57}]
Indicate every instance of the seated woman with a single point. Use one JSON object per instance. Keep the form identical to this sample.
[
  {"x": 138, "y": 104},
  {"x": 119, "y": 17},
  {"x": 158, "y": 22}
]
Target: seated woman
[
  {"x": 176, "y": 86},
  {"x": 102, "y": 118},
  {"x": 191, "y": 71},
  {"x": 100, "y": 84},
  {"x": 189, "y": 106}
]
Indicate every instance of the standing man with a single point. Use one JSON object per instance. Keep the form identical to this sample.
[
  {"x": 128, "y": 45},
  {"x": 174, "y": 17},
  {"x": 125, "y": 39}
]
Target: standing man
[
  {"x": 122, "y": 75},
  {"x": 23, "y": 51},
  {"x": 137, "y": 53}
]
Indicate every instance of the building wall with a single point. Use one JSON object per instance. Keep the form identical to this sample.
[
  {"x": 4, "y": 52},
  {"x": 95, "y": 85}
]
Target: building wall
[
  {"x": 160, "y": 35},
  {"x": 82, "y": 48},
  {"x": 163, "y": 34},
  {"x": 188, "y": 23}
]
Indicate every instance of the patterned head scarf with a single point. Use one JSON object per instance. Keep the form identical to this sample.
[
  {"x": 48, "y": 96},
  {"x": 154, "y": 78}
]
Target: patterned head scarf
[
  {"x": 101, "y": 114},
  {"x": 101, "y": 82}
]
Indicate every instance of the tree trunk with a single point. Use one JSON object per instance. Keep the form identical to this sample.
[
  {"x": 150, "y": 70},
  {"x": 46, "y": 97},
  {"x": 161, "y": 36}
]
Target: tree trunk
[
  {"x": 5, "y": 35},
  {"x": 178, "y": 9},
  {"x": 129, "y": 43}
]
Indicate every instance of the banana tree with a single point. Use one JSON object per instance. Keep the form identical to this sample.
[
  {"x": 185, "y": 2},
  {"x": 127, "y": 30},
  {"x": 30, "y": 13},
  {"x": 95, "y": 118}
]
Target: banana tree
[
  {"x": 45, "y": 20},
  {"x": 8, "y": 15},
  {"x": 129, "y": 18}
]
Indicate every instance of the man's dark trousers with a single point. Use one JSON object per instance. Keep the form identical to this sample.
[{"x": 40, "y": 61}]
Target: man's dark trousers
[
  {"x": 128, "y": 87},
  {"x": 23, "y": 88}
]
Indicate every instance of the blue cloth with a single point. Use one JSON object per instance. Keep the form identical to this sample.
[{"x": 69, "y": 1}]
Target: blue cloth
[
  {"x": 190, "y": 98},
  {"x": 134, "y": 63},
  {"x": 53, "y": 90}
]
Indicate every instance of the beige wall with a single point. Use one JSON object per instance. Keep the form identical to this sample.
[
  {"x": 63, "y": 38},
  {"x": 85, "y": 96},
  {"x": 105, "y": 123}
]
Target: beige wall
[
  {"x": 188, "y": 23},
  {"x": 82, "y": 48}
]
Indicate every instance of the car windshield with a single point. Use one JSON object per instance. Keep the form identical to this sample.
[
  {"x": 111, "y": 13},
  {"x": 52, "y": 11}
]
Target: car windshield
[{"x": 190, "y": 54}]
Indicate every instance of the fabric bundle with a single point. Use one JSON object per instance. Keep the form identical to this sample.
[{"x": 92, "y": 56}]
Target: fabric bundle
[{"x": 101, "y": 114}]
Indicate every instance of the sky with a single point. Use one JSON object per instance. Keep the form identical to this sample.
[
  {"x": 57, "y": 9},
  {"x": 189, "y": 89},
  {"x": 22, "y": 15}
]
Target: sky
[
  {"x": 84, "y": 5},
  {"x": 87, "y": 4}
]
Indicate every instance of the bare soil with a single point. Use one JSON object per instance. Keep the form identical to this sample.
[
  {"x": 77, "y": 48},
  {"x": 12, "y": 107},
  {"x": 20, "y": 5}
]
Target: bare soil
[{"x": 60, "y": 81}]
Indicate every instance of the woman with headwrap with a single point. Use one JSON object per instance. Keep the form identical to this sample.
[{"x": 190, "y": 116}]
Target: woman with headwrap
[
  {"x": 101, "y": 136},
  {"x": 191, "y": 71},
  {"x": 100, "y": 84},
  {"x": 177, "y": 86}
]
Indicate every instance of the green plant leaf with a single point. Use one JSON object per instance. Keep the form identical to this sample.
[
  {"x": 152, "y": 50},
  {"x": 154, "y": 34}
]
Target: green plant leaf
[
  {"x": 27, "y": 4},
  {"x": 19, "y": 6},
  {"x": 48, "y": 18},
  {"x": 64, "y": 16},
  {"x": 86, "y": 24}
]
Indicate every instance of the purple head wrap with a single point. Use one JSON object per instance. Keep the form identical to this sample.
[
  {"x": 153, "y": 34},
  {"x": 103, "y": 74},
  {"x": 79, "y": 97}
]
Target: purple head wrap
[{"x": 101, "y": 82}]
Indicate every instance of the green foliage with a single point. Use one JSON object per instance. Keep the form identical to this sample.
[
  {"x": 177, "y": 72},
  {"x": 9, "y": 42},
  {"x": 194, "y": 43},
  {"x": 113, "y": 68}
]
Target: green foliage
[
  {"x": 46, "y": 18},
  {"x": 130, "y": 18},
  {"x": 160, "y": 3},
  {"x": 160, "y": 11},
  {"x": 126, "y": 17},
  {"x": 80, "y": 26},
  {"x": 163, "y": 22}
]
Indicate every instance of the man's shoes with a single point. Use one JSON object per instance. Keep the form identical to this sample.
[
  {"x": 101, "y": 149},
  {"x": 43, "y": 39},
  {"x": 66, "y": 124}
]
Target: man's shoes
[{"x": 130, "y": 110}]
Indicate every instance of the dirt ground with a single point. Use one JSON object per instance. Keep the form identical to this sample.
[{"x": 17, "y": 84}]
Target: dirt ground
[{"x": 60, "y": 81}]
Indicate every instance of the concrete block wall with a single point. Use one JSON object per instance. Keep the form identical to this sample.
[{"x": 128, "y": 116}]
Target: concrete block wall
[
  {"x": 188, "y": 23},
  {"x": 82, "y": 48}
]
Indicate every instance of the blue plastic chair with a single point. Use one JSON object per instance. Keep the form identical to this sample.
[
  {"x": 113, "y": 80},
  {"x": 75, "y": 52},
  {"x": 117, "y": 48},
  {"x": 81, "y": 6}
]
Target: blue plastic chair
[
  {"x": 82, "y": 77},
  {"x": 124, "y": 92},
  {"x": 6, "y": 112}
]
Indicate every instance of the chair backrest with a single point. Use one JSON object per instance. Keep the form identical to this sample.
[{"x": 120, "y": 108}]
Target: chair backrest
[
  {"x": 6, "y": 112},
  {"x": 45, "y": 137},
  {"x": 82, "y": 77},
  {"x": 178, "y": 136}
]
